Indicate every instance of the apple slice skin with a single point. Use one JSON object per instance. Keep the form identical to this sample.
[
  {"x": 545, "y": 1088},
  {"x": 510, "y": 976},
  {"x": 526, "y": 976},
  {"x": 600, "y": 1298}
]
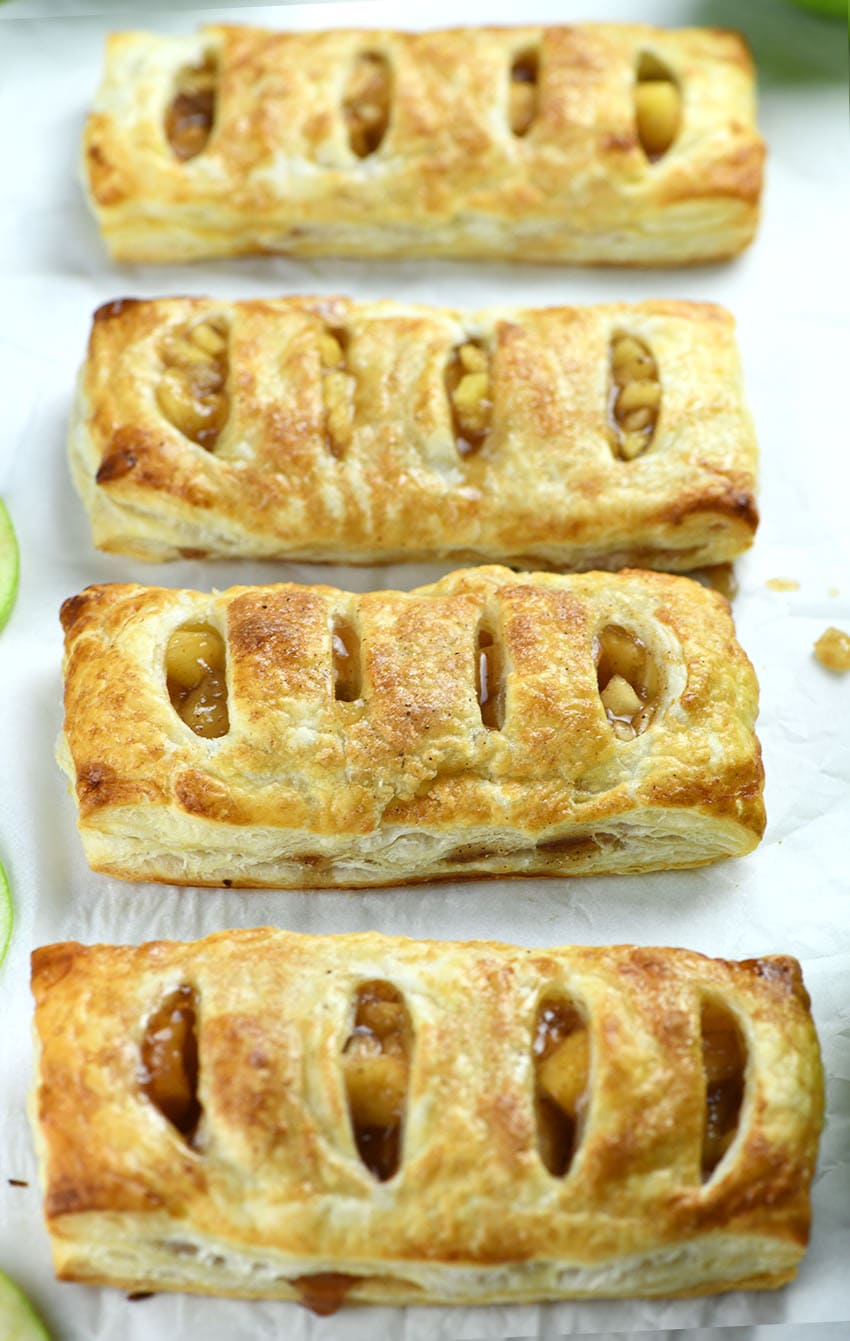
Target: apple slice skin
[
  {"x": 835, "y": 9},
  {"x": 9, "y": 565},
  {"x": 18, "y": 1319},
  {"x": 7, "y": 918}
]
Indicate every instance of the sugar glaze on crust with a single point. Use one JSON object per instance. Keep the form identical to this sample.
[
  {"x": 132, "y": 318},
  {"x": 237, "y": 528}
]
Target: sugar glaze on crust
[
  {"x": 491, "y": 724},
  {"x": 269, "y": 1197},
  {"x": 281, "y": 167},
  {"x": 326, "y": 429}
]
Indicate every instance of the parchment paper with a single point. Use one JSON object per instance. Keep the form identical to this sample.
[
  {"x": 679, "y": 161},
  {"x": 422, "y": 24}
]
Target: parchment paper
[{"x": 790, "y": 296}]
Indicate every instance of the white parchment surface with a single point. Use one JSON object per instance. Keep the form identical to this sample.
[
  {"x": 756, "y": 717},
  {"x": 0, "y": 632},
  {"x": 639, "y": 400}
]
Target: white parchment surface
[{"x": 790, "y": 295}]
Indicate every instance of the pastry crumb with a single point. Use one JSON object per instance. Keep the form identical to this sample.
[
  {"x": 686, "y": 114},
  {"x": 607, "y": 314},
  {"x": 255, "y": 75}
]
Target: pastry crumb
[
  {"x": 782, "y": 584},
  {"x": 832, "y": 650}
]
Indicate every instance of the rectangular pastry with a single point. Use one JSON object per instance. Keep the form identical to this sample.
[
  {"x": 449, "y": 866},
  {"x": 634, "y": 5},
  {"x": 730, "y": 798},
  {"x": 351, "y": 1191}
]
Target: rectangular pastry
[
  {"x": 379, "y": 1120},
  {"x": 325, "y": 429},
  {"x": 593, "y": 143},
  {"x": 491, "y": 724}
]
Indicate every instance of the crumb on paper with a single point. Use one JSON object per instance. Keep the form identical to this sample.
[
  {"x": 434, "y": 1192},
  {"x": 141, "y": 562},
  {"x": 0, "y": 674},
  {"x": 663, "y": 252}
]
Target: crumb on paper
[
  {"x": 832, "y": 650},
  {"x": 782, "y": 584}
]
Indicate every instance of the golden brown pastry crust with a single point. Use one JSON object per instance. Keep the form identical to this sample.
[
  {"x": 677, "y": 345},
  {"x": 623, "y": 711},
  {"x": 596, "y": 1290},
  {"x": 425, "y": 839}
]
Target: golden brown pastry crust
[
  {"x": 272, "y": 1189},
  {"x": 546, "y": 488},
  {"x": 449, "y": 178},
  {"x": 407, "y": 782}
]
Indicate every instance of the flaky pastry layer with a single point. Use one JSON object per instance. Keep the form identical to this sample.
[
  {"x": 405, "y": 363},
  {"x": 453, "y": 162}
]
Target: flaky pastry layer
[
  {"x": 270, "y": 1197},
  {"x": 407, "y": 780},
  {"x": 359, "y": 455},
  {"x": 450, "y": 175}
]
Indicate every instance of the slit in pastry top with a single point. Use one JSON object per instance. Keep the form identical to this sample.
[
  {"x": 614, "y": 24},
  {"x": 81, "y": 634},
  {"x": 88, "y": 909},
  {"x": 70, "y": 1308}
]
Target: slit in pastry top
[
  {"x": 634, "y": 401},
  {"x": 347, "y": 669},
  {"x": 523, "y": 91},
  {"x": 724, "y": 1067},
  {"x": 196, "y": 678},
  {"x": 366, "y": 102},
  {"x": 338, "y": 388},
  {"x": 561, "y": 1057},
  {"x": 376, "y": 1070},
  {"x": 490, "y": 677},
  {"x": 192, "y": 390},
  {"x": 190, "y": 116},
  {"x": 628, "y": 680},
  {"x": 468, "y": 387},
  {"x": 658, "y": 106},
  {"x": 169, "y": 1062}
]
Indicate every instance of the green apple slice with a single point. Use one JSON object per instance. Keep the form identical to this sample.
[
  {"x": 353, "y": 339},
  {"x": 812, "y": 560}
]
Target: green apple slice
[
  {"x": 18, "y": 1319},
  {"x": 9, "y": 564},
  {"x": 7, "y": 915}
]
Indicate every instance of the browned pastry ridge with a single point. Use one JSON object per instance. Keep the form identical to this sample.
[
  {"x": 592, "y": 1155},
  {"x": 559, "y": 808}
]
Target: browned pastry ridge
[
  {"x": 263, "y": 1114},
  {"x": 325, "y": 429},
  {"x": 491, "y": 724},
  {"x": 594, "y": 143}
]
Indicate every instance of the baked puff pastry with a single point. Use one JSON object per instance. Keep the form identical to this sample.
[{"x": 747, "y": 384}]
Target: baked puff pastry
[
  {"x": 594, "y": 143},
  {"x": 325, "y": 429},
  {"x": 490, "y": 724},
  {"x": 378, "y": 1120}
]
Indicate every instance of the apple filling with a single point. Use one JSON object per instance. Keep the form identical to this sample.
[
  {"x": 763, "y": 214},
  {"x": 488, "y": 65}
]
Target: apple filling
[
  {"x": 366, "y": 103},
  {"x": 723, "y": 1062},
  {"x": 325, "y": 1292},
  {"x": 195, "y": 673},
  {"x": 658, "y": 107},
  {"x": 192, "y": 391},
  {"x": 635, "y": 396},
  {"x": 376, "y": 1067},
  {"x": 561, "y": 1050},
  {"x": 337, "y": 391},
  {"x": 169, "y": 1062},
  {"x": 627, "y": 680},
  {"x": 468, "y": 390},
  {"x": 523, "y": 92},
  {"x": 489, "y": 680},
  {"x": 190, "y": 114},
  {"x": 347, "y": 673}
]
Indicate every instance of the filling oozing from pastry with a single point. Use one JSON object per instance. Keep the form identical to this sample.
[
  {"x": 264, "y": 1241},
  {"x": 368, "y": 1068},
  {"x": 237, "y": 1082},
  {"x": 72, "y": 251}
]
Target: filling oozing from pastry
[
  {"x": 489, "y": 679},
  {"x": 347, "y": 671},
  {"x": 376, "y": 1067},
  {"x": 561, "y": 1050},
  {"x": 190, "y": 114},
  {"x": 658, "y": 106},
  {"x": 325, "y": 1292},
  {"x": 337, "y": 390},
  {"x": 366, "y": 102},
  {"x": 169, "y": 1062},
  {"x": 468, "y": 390},
  {"x": 196, "y": 676},
  {"x": 724, "y": 1064},
  {"x": 635, "y": 396},
  {"x": 192, "y": 391},
  {"x": 627, "y": 679},
  {"x": 523, "y": 92}
]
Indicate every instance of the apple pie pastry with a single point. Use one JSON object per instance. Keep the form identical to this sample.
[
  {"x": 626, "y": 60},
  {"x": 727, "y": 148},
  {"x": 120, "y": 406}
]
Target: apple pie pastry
[
  {"x": 325, "y": 429},
  {"x": 378, "y": 1120},
  {"x": 490, "y": 724},
  {"x": 593, "y": 143}
]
